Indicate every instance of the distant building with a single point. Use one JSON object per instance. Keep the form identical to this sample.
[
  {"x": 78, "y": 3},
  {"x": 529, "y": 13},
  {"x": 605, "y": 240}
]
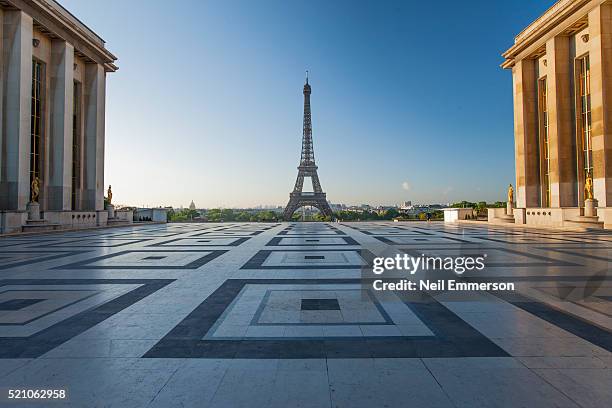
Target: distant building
[
  {"x": 52, "y": 105},
  {"x": 337, "y": 207},
  {"x": 151, "y": 214},
  {"x": 192, "y": 206},
  {"x": 562, "y": 72}
]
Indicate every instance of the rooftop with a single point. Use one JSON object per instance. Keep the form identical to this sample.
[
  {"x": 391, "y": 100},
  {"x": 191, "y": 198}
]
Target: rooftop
[
  {"x": 561, "y": 13},
  {"x": 54, "y": 20}
]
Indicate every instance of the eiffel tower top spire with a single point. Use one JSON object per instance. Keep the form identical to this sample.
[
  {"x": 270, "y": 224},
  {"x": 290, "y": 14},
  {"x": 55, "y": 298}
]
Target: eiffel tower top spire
[{"x": 307, "y": 158}]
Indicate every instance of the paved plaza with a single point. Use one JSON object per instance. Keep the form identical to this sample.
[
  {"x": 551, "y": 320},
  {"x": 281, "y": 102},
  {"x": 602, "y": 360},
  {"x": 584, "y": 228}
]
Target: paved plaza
[{"x": 277, "y": 315}]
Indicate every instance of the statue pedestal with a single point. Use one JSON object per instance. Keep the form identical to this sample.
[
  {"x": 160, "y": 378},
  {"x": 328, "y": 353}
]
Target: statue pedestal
[
  {"x": 33, "y": 210},
  {"x": 590, "y": 207},
  {"x": 509, "y": 209},
  {"x": 508, "y": 217},
  {"x": 111, "y": 211},
  {"x": 589, "y": 220}
]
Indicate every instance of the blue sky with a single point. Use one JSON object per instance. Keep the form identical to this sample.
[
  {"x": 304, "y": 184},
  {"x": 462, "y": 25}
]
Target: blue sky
[{"x": 408, "y": 99}]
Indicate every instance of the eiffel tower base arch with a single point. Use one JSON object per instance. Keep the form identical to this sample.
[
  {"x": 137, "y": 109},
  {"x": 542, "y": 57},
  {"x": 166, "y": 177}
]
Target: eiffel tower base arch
[{"x": 297, "y": 200}]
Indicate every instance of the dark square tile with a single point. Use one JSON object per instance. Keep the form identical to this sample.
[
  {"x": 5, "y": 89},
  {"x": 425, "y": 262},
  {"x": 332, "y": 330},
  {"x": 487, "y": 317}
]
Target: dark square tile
[{"x": 320, "y": 304}]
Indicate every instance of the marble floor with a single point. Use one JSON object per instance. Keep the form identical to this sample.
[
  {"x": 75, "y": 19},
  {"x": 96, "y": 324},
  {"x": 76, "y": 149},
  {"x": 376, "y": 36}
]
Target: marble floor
[{"x": 278, "y": 315}]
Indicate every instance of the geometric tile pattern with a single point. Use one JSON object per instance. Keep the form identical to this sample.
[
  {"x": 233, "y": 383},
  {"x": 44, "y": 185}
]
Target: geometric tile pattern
[
  {"x": 201, "y": 241},
  {"x": 62, "y": 310},
  {"x": 148, "y": 259},
  {"x": 195, "y": 336},
  {"x": 311, "y": 240},
  {"x": 309, "y": 259},
  {"x": 95, "y": 243},
  {"x": 10, "y": 258},
  {"x": 258, "y": 314}
]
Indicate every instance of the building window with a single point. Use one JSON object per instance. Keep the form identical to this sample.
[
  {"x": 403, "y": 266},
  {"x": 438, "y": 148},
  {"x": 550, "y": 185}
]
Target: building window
[
  {"x": 583, "y": 120},
  {"x": 76, "y": 146},
  {"x": 544, "y": 145},
  {"x": 36, "y": 123}
]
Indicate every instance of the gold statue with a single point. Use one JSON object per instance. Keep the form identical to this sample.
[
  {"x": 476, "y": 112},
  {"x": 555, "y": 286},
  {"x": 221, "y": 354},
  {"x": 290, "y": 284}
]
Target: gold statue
[
  {"x": 35, "y": 189},
  {"x": 588, "y": 187},
  {"x": 510, "y": 193},
  {"x": 109, "y": 194}
]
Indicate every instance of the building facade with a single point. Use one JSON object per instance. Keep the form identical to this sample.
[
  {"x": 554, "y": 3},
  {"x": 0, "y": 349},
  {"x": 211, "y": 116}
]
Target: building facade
[
  {"x": 562, "y": 83},
  {"x": 53, "y": 72}
]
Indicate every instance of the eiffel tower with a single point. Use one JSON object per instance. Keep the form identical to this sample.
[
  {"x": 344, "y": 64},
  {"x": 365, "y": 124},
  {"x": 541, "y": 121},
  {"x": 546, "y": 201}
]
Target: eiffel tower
[{"x": 307, "y": 168}]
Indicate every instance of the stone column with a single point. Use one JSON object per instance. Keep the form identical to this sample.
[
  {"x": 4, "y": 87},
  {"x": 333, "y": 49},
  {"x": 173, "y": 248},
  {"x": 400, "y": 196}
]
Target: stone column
[
  {"x": 17, "y": 84},
  {"x": 525, "y": 134},
  {"x": 560, "y": 123},
  {"x": 600, "y": 55},
  {"x": 94, "y": 98},
  {"x": 60, "y": 143},
  {"x": 2, "y": 158}
]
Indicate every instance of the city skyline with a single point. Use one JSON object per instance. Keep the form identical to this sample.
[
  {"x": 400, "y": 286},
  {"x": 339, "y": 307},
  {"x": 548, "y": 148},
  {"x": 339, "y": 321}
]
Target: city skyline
[{"x": 397, "y": 115}]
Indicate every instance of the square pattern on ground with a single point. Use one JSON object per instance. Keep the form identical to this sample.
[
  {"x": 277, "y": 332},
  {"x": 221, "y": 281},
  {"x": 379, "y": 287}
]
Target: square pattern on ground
[
  {"x": 310, "y": 259},
  {"x": 228, "y": 325},
  {"x": 96, "y": 243},
  {"x": 12, "y": 259},
  {"x": 21, "y": 241},
  {"x": 42, "y": 314},
  {"x": 311, "y": 241},
  {"x": 418, "y": 240},
  {"x": 391, "y": 231},
  {"x": 587, "y": 251},
  {"x": 203, "y": 241},
  {"x": 341, "y": 310},
  {"x": 154, "y": 259},
  {"x": 228, "y": 233},
  {"x": 307, "y": 232},
  {"x": 529, "y": 239}
]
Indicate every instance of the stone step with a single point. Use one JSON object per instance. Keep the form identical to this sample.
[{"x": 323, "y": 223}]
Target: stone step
[
  {"x": 39, "y": 226},
  {"x": 111, "y": 221},
  {"x": 504, "y": 219},
  {"x": 585, "y": 223}
]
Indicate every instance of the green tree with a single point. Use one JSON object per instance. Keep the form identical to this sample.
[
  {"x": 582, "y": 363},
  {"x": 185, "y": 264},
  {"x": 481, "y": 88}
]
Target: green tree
[
  {"x": 169, "y": 215},
  {"x": 243, "y": 216},
  {"x": 390, "y": 214},
  {"x": 227, "y": 214}
]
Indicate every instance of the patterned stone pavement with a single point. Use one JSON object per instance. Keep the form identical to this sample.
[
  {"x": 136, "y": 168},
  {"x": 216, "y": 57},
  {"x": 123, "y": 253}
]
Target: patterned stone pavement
[{"x": 276, "y": 315}]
